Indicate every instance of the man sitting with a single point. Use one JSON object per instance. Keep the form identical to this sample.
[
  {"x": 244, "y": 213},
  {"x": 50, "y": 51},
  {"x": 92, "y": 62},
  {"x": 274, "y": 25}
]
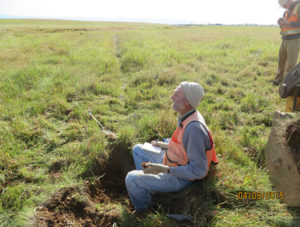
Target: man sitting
[{"x": 188, "y": 156}]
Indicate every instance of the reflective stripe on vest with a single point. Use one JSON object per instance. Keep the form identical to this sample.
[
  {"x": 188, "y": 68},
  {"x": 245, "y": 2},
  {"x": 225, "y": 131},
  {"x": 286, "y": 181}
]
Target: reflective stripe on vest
[
  {"x": 294, "y": 17},
  {"x": 176, "y": 154}
]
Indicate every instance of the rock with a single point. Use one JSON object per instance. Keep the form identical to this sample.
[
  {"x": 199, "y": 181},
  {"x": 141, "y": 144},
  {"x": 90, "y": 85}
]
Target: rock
[{"x": 283, "y": 156}]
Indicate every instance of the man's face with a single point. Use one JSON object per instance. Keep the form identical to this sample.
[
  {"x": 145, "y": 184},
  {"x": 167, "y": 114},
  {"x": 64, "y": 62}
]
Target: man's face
[{"x": 179, "y": 100}]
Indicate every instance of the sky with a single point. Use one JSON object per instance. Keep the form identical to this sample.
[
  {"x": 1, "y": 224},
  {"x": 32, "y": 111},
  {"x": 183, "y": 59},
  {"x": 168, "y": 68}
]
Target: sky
[{"x": 262, "y": 12}]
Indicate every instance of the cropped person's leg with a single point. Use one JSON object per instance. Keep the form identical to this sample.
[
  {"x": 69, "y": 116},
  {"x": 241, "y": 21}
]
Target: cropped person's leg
[
  {"x": 293, "y": 47},
  {"x": 140, "y": 185},
  {"x": 282, "y": 56}
]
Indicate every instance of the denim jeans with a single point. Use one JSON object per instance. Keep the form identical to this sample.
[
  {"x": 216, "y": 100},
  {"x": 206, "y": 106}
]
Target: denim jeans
[{"x": 140, "y": 185}]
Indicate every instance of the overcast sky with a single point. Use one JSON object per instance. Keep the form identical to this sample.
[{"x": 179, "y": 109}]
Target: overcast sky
[{"x": 161, "y": 11}]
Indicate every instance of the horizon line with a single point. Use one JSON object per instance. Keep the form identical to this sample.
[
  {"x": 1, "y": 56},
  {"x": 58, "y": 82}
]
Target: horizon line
[{"x": 133, "y": 20}]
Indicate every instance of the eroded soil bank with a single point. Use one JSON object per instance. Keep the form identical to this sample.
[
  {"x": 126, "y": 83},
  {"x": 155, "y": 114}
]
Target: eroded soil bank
[{"x": 96, "y": 204}]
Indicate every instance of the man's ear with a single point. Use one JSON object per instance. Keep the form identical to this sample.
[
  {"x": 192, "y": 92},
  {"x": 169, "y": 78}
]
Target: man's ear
[{"x": 186, "y": 103}]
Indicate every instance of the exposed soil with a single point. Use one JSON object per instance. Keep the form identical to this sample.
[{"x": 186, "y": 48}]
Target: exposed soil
[
  {"x": 57, "y": 165},
  {"x": 293, "y": 141},
  {"x": 76, "y": 207},
  {"x": 91, "y": 204}
]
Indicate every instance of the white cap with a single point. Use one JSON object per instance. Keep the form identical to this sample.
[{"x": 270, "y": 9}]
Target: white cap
[
  {"x": 193, "y": 92},
  {"x": 282, "y": 2}
]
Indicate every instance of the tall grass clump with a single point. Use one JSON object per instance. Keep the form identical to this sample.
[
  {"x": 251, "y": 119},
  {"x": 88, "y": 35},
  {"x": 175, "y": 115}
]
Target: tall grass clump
[
  {"x": 93, "y": 158},
  {"x": 253, "y": 103}
]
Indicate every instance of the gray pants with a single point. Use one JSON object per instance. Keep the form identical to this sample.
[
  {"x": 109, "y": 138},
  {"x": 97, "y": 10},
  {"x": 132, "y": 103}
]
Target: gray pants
[{"x": 288, "y": 56}]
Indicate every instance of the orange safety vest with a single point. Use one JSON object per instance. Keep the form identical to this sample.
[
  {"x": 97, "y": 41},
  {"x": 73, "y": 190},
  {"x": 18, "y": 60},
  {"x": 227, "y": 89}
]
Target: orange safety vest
[
  {"x": 294, "y": 17},
  {"x": 176, "y": 154}
]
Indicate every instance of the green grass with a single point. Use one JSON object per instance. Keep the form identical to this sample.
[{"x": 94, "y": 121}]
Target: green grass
[{"x": 53, "y": 72}]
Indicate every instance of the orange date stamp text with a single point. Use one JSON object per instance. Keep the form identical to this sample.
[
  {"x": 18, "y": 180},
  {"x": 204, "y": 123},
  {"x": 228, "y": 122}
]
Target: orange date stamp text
[{"x": 260, "y": 195}]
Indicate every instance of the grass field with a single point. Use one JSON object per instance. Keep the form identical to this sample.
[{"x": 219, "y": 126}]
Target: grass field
[{"x": 53, "y": 72}]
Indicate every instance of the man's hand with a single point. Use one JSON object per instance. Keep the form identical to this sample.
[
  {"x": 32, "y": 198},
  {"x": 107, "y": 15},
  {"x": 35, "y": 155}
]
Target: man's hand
[
  {"x": 153, "y": 168},
  {"x": 283, "y": 22},
  {"x": 160, "y": 144}
]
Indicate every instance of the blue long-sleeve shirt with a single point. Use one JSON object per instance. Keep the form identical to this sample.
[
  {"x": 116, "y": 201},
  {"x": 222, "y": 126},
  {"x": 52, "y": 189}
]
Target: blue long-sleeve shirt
[{"x": 196, "y": 142}]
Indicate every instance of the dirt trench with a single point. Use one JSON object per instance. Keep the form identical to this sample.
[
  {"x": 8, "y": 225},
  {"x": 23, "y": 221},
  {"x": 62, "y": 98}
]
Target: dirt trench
[
  {"x": 76, "y": 207},
  {"x": 91, "y": 204}
]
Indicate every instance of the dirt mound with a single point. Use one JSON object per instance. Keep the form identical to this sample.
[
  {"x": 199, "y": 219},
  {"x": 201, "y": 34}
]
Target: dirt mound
[{"x": 74, "y": 206}]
